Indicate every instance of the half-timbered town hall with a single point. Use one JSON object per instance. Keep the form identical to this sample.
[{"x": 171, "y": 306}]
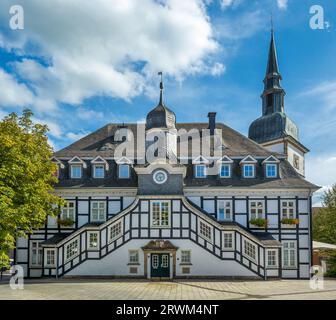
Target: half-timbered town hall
[{"x": 241, "y": 210}]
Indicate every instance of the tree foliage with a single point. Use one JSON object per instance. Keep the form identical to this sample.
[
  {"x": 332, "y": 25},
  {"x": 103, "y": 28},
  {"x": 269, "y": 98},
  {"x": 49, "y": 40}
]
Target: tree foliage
[{"x": 26, "y": 180}]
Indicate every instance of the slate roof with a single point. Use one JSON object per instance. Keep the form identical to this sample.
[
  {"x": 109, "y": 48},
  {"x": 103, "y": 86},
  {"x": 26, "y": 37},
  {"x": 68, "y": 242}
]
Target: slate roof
[
  {"x": 235, "y": 145},
  {"x": 55, "y": 239},
  {"x": 92, "y": 145}
]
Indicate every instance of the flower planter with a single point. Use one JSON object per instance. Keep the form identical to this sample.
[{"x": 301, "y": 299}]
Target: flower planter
[
  {"x": 259, "y": 223},
  {"x": 289, "y": 223},
  {"x": 66, "y": 222}
]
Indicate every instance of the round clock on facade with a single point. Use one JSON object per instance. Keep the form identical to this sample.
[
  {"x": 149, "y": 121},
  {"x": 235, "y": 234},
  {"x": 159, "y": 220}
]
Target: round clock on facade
[{"x": 160, "y": 177}]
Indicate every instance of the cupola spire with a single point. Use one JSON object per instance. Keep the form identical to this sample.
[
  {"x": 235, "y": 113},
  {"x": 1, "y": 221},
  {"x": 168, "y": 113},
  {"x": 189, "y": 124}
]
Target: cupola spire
[{"x": 161, "y": 88}]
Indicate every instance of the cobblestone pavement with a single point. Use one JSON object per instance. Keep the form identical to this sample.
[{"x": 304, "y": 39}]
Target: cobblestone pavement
[{"x": 175, "y": 290}]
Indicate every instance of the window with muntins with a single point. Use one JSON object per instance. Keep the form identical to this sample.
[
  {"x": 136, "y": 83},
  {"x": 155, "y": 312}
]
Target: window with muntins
[
  {"x": 272, "y": 258},
  {"x": 224, "y": 210},
  {"x": 115, "y": 230},
  {"x": 250, "y": 249},
  {"x": 35, "y": 254},
  {"x": 225, "y": 171},
  {"x": 98, "y": 211},
  {"x": 124, "y": 171},
  {"x": 72, "y": 249},
  {"x": 186, "y": 256},
  {"x": 200, "y": 171},
  {"x": 287, "y": 210},
  {"x": 271, "y": 170},
  {"x": 99, "y": 171},
  {"x": 289, "y": 254},
  {"x": 256, "y": 209},
  {"x": 205, "y": 230},
  {"x": 93, "y": 240},
  {"x": 228, "y": 240},
  {"x": 133, "y": 256},
  {"x": 68, "y": 211},
  {"x": 76, "y": 171},
  {"x": 50, "y": 257},
  {"x": 160, "y": 213},
  {"x": 248, "y": 170}
]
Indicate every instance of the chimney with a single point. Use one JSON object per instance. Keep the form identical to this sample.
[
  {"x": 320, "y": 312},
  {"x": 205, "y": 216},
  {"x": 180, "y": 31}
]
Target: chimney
[{"x": 212, "y": 122}]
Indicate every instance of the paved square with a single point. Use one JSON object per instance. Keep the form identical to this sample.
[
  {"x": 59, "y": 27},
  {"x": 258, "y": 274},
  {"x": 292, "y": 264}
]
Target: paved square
[{"x": 87, "y": 289}]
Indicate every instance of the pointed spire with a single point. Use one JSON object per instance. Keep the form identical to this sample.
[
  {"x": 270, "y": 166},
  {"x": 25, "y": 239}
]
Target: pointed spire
[
  {"x": 272, "y": 64},
  {"x": 161, "y": 89}
]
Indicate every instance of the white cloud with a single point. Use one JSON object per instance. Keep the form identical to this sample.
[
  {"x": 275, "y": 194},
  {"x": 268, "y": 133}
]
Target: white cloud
[
  {"x": 217, "y": 69},
  {"x": 282, "y": 4},
  {"x": 13, "y": 94},
  {"x": 241, "y": 27},
  {"x": 107, "y": 48},
  {"x": 321, "y": 169},
  {"x": 76, "y": 136},
  {"x": 229, "y": 3}
]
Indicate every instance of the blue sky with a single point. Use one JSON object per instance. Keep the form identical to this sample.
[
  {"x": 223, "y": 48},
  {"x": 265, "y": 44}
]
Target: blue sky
[{"x": 80, "y": 65}]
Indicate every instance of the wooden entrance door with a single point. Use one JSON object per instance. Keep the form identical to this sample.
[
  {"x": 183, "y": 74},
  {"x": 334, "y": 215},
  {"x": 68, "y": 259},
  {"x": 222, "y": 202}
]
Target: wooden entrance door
[{"x": 160, "y": 265}]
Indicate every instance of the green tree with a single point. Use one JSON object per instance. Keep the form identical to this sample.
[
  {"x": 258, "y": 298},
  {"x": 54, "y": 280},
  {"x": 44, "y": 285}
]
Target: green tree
[
  {"x": 329, "y": 197},
  {"x": 324, "y": 227},
  {"x": 27, "y": 175}
]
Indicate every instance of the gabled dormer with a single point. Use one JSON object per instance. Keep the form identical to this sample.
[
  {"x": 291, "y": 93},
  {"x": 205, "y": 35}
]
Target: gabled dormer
[
  {"x": 99, "y": 167},
  {"x": 248, "y": 167},
  {"x": 76, "y": 166},
  {"x": 124, "y": 167},
  {"x": 200, "y": 167},
  {"x": 271, "y": 167},
  {"x": 224, "y": 165}
]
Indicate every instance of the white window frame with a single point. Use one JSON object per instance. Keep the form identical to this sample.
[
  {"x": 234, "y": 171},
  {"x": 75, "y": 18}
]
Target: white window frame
[
  {"x": 74, "y": 254},
  {"x": 294, "y": 248},
  {"x": 225, "y": 207},
  {"x": 201, "y": 233},
  {"x": 253, "y": 170},
  {"x": 268, "y": 265},
  {"x": 72, "y": 166},
  {"x": 287, "y": 208},
  {"x": 121, "y": 165},
  {"x": 185, "y": 253},
  {"x": 91, "y": 248},
  {"x": 160, "y": 225},
  {"x": 95, "y": 166},
  {"x": 220, "y": 170},
  {"x": 65, "y": 211},
  {"x": 39, "y": 253},
  {"x": 276, "y": 170},
  {"x": 245, "y": 248},
  {"x": 232, "y": 247},
  {"x": 98, "y": 208},
  {"x": 46, "y": 257},
  {"x": 131, "y": 254},
  {"x": 196, "y": 171},
  {"x": 118, "y": 224},
  {"x": 256, "y": 208}
]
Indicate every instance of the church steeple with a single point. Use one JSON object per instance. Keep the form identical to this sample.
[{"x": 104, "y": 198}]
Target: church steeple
[{"x": 273, "y": 95}]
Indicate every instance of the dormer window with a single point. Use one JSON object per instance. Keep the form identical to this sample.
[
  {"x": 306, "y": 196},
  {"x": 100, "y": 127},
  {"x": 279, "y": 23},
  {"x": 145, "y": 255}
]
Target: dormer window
[
  {"x": 200, "y": 171},
  {"x": 124, "y": 171},
  {"x": 248, "y": 170},
  {"x": 248, "y": 165},
  {"x": 98, "y": 171},
  {"x": 76, "y": 167},
  {"x": 271, "y": 170},
  {"x": 225, "y": 171},
  {"x": 99, "y": 166},
  {"x": 200, "y": 167},
  {"x": 271, "y": 165},
  {"x": 76, "y": 171}
]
